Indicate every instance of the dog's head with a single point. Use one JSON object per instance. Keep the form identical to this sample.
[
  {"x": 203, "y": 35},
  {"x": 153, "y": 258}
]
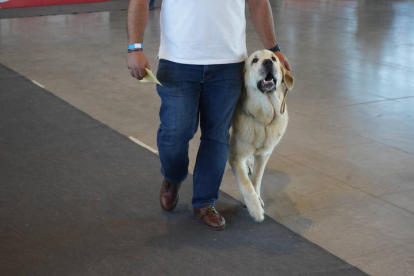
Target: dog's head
[{"x": 264, "y": 71}]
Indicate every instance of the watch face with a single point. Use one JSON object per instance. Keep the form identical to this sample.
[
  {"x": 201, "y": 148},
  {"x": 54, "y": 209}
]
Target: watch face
[{"x": 275, "y": 49}]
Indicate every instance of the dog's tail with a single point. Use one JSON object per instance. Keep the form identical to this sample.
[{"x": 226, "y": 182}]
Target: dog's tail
[{"x": 250, "y": 164}]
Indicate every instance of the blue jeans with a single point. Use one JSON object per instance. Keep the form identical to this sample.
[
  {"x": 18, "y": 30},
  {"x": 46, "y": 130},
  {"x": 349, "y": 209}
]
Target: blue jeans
[{"x": 193, "y": 93}]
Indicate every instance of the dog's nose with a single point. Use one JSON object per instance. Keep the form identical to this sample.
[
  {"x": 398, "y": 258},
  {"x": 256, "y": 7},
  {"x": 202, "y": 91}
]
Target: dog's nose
[{"x": 267, "y": 63}]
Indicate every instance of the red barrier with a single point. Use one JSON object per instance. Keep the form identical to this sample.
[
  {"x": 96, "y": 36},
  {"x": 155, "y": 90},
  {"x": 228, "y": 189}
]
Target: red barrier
[{"x": 4, "y": 4}]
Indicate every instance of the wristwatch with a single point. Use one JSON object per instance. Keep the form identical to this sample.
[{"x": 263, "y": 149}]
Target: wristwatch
[{"x": 275, "y": 49}]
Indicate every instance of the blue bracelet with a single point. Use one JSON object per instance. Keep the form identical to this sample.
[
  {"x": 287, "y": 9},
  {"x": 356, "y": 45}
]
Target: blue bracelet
[{"x": 135, "y": 46}]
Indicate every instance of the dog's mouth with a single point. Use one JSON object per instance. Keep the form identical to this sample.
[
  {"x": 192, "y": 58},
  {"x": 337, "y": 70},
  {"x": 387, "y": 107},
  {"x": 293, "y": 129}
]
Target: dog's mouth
[{"x": 267, "y": 84}]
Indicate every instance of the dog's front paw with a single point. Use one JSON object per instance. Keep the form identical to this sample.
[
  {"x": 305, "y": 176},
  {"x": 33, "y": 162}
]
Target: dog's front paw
[
  {"x": 257, "y": 213},
  {"x": 255, "y": 209}
]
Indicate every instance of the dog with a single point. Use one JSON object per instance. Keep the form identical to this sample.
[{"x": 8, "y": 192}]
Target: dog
[{"x": 259, "y": 122}]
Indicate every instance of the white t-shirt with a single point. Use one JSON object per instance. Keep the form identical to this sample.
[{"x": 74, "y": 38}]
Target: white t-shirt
[{"x": 203, "y": 31}]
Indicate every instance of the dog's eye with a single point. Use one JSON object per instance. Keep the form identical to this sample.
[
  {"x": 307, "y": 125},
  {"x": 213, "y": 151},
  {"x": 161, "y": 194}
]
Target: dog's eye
[
  {"x": 273, "y": 58},
  {"x": 255, "y": 60}
]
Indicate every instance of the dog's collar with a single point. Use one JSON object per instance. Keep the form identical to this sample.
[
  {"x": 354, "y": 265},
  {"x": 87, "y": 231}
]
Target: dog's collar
[{"x": 250, "y": 114}]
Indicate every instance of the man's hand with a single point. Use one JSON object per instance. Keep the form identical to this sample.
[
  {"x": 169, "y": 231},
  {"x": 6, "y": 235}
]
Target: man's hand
[
  {"x": 137, "y": 62},
  {"x": 262, "y": 17},
  {"x": 283, "y": 60}
]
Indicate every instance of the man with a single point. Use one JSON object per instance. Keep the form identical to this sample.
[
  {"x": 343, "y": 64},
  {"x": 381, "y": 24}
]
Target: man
[{"x": 202, "y": 53}]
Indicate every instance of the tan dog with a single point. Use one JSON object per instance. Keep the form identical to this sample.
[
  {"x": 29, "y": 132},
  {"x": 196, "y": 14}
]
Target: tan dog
[{"x": 259, "y": 122}]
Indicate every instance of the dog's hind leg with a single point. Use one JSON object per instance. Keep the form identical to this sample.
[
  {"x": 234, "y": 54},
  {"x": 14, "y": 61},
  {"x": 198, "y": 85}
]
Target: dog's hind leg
[
  {"x": 247, "y": 190},
  {"x": 258, "y": 171}
]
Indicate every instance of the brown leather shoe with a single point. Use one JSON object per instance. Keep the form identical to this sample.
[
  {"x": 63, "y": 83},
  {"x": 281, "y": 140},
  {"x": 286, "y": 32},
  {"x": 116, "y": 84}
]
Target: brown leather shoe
[
  {"x": 210, "y": 217},
  {"x": 169, "y": 195}
]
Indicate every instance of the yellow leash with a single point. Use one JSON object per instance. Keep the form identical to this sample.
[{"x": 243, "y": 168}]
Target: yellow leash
[{"x": 282, "y": 107}]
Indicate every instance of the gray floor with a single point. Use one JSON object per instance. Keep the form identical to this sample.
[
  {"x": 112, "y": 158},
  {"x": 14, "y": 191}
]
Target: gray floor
[
  {"x": 78, "y": 198},
  {"x": 342, "y": 176}
]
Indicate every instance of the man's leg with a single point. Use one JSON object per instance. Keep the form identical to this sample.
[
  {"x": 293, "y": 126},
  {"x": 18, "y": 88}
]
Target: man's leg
[
  {"x": 179, "y": 110},
  {"x": 221, "y": 88}
]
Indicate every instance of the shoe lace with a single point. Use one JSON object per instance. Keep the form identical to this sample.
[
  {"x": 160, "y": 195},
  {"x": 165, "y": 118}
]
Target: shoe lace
[{"x": 209, "y": 209}]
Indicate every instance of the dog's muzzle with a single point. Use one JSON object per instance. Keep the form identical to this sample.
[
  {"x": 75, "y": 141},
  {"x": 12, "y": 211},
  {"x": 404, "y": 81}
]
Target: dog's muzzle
[{"x": 268, "y": 84}]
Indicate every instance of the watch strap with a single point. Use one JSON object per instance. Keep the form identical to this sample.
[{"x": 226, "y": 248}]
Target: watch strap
[{"x": 275, "y": 48}]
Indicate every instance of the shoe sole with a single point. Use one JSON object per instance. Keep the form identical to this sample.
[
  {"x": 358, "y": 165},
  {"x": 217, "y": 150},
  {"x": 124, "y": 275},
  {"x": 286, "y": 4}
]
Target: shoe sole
[{"x": 215, "y": 228}]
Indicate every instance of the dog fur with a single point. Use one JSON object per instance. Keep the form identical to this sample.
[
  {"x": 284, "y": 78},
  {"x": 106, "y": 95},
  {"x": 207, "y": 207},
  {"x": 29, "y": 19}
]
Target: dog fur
[{"x": 258, "y": 125}]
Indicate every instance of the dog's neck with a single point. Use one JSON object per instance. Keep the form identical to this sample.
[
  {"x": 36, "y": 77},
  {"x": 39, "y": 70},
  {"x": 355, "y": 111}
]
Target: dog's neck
[{"x": 263, "y": 107}]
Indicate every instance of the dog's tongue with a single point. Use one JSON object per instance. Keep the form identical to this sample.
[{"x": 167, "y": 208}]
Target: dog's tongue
[{"x": 265, "y": 82}]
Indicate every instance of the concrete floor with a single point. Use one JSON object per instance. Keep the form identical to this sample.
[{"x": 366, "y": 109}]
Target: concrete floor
[{"x": 342, "y": 176}]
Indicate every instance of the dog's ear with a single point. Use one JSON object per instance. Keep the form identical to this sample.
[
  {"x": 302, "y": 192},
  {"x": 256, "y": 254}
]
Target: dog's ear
[{"x": 288, "y": 79}]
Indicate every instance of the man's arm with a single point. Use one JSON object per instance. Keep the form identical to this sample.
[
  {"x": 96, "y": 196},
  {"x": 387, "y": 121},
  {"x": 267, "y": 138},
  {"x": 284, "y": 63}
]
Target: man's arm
[
  {"x": 137, "y": 17},
  {"x": 262, "y": 18}
]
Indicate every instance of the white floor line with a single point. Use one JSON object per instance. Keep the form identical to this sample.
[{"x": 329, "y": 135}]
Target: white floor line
[
  {"x": 38, "y": 84},
  {"x": 142, "y": 144}
]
